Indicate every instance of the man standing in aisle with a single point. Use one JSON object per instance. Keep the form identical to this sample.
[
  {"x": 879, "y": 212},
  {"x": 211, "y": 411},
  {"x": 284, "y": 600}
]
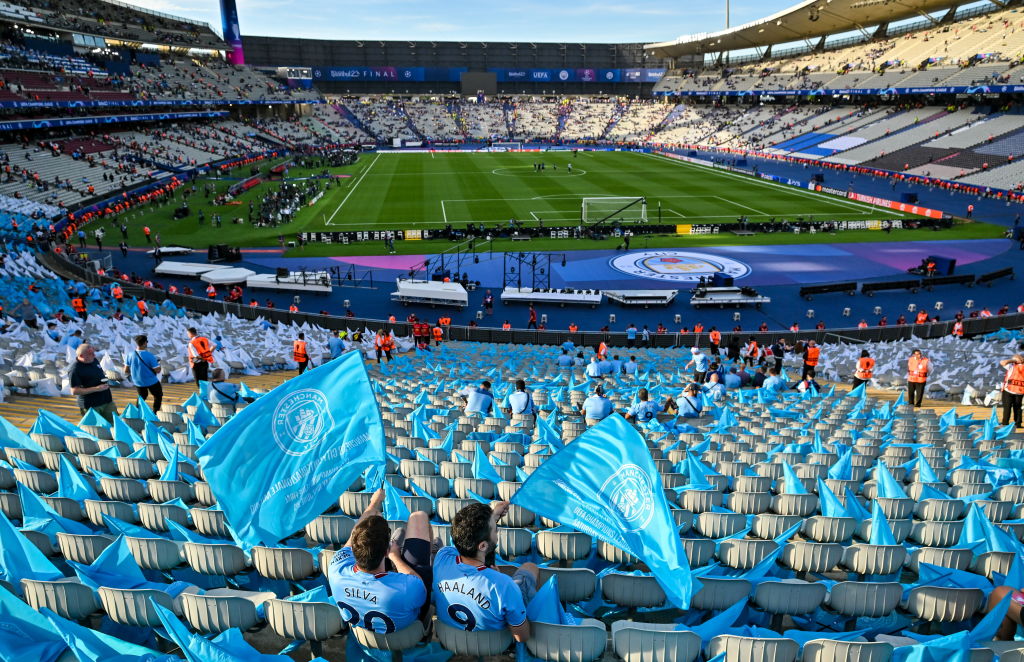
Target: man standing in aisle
[
  {"x": 1013, "y": 389},
  {"x": 144, "y": 370},
  {"x": 200, "y": 355},
  {"x": 917, "y": 377},
  {"x": 299, "y": 353},
  {"x": 812, "y": 354},
  {"x": 89, "y": 384}
]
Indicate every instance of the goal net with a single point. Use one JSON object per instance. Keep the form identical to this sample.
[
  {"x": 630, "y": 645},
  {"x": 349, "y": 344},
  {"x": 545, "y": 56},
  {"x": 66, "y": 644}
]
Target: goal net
[
  {"x": 506, "y": 147},
  {"x": 614, "y": 210}
]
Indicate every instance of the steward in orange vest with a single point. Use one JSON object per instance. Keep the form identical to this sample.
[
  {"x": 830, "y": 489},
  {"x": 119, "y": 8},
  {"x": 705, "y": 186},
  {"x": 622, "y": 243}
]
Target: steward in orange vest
[
  {"x": 917, "y": 375},
  {"x": 865, "y": 369},
  {"x": 200, "y": 355},
  {"x": 299, "y": 353}
]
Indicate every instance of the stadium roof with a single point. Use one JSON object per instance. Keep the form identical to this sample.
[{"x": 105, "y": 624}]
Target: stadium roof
[{"x": 806, "y": 20}]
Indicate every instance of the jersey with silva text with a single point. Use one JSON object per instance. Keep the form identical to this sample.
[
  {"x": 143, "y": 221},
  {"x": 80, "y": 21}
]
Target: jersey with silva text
[{"x": 385, "y": 602}]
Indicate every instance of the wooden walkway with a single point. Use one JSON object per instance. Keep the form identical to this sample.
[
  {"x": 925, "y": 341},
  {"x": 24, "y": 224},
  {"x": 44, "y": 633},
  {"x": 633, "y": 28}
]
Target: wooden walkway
[{"x": 21, "y": 410}]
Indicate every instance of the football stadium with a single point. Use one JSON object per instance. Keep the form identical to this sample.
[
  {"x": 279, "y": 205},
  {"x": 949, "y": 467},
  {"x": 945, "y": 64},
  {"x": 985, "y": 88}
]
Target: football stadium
[{"x": 374, "y": 339}]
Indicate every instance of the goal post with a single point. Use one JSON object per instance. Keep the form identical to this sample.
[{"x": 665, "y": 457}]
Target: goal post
[
  {"x": 614, "y": 210},
  {"x": 506, "y": 147}
]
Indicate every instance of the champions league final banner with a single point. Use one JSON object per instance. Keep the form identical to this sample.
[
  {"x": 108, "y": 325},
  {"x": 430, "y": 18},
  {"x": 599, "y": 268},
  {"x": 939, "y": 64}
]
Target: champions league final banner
[{"x": 453, "y": 75}]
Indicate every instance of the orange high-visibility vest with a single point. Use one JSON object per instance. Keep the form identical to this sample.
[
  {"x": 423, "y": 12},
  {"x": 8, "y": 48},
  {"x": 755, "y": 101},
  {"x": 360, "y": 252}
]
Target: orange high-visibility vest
[
  {"x": 1014, "y": 382},
  {"x": 958, "y": 329},
  {"x": 573, "y": 328},
  {"x": 716, "y": 337},
  {"x": 143, "y": 308},
  {"x": 78, "y": 304},
  {"x": 299, "y": 351},
  {"x": 917, "y": 370},
  {"x": 199, "y": 350},
  {"x": 812, "y": 356},
  {"x": 438, "y": 333},
  {"x": 752, "y": 350},
  {"x": 865, "y": 368},
  {"x": 922, "y": 318}
]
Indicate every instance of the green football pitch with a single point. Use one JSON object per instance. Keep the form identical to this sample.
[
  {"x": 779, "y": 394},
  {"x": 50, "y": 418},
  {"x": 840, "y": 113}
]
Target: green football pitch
[{"x": 422, "y": 191}]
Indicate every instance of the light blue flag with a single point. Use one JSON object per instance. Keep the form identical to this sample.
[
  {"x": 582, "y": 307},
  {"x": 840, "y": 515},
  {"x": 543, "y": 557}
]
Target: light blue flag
[
  {"x": 284, "y": 459},
  {"x": 155, "y": 434},
  {"x": 482, "y": 467},
  {"x": 145, "y": 413},
  {"x": 124, "y": 434},
  {"x": 831, "y": 506},
  {"x": 793, "y": 483},
  {"x": 952, "y": 648},
  {"x": 37, "y": 515},
  {"x": 49, "y": 423},
  {"x": 12, "y": 437},
  {"x": 858, "y": 392},
  {"x": 854, "y": 507},
  {"x": 605, "y": 484},
  {"x": 93, "y": 417},
  {"x": 843, "y": 468},
  {"x": 195, "y": 435},
  {"x": 229, "y": 646},
  {"x": 193, "y": 401},
  {"x": 888, "y": 488},
  {"x": 20, "y": 559},
  {"x": 980, "y": 531},
  {"x": 719, "y": 624},
  {"x": 71, "y": 484},
  {"x": 881, "y": 532},
  {"x": 203, "y": 417},
  {"x": 89, "y": 645},
  {"x": 171, "y": 470},
  {"x": 26, "y": 634},
  {"x": 925, "y": 471},
  {"x": 546, "y": 434},
  {"x": 394, "y": 508},
  {"x": 545, "y": 606}
]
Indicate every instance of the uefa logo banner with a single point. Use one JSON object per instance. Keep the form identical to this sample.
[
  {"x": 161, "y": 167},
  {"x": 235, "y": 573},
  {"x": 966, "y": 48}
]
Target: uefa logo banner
[
  {"x": 677, "y": 266},
  {"x": 301, "y": 420}
]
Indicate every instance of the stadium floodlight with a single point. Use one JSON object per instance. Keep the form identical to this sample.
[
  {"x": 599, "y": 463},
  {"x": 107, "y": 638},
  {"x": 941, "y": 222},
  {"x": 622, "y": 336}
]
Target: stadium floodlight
[
  {"x": 679, "y": 318},
  {"x": 939, "y": 305},
  {"x": 614, "y": 210},
  {"x": 810, "y": 313},
  {"x": 736, "y": 316},
  {"x": 877, "y": 310},
  {"x": 846, "y": 312},
  {"x": 911, "y": 307},
  {"x": 969, "y": 304},
  {"x": 611, "y": 318}
]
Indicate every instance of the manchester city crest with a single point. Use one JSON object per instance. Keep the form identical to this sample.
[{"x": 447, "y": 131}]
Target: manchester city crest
[
  {"x": 631, "y": 493},
  {"x": 301, "y": 421},
  {"x": 677, "y": 266}
]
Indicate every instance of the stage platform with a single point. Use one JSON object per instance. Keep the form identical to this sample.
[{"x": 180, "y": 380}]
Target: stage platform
[
  {"x": 186, "y": 269},
  {"x": 643, "y": 298},
  {"x": 430, "y": 292},
  {"x": 319, "y": 281},
  {"x": 590, "y": 298},
  {"x": 227, "y": 276}
]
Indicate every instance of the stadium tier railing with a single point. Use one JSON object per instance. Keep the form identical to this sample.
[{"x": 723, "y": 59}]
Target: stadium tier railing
[{"x": 972, "y": 326}]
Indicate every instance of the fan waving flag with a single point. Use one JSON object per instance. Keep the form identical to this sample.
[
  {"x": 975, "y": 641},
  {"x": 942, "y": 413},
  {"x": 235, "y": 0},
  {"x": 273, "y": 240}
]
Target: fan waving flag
[
  {"x": 285, "y": 458},
  {"x": 605, "y": 484}
]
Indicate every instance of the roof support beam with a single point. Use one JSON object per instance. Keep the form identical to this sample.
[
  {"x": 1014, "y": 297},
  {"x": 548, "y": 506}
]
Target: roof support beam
[
  {"x": 882, "y": 31},
  {"x": 767, "y": 53}
]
